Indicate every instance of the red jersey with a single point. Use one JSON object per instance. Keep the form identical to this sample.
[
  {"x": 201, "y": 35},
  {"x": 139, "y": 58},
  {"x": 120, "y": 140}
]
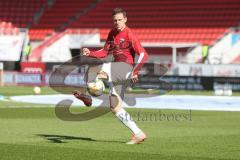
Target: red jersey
[{"x": 123, "y": 45}]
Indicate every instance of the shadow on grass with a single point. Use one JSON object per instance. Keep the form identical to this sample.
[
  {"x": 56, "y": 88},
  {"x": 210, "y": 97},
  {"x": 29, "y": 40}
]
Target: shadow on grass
[{"x": 63, "y": 139}]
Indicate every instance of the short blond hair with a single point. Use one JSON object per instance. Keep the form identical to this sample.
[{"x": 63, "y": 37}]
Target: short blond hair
[{"x": 119, "y": 10}]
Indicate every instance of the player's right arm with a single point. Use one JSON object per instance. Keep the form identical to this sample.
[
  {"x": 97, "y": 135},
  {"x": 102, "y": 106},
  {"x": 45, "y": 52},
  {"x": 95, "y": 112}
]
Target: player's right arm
[
  {"x": 86, "y": 51},
  {"x": 99, "y": 53}
]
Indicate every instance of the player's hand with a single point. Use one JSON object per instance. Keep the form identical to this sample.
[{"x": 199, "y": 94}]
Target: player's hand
[
  {"x": 85, "y": 51},
  {"x": 134, "y": 78}
]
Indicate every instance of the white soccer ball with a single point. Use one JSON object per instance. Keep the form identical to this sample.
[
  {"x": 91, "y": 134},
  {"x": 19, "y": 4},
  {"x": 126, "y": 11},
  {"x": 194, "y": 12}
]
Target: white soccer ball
[
  {"x": 96, "y": 87},
  {"x": 37, "y": 90}
]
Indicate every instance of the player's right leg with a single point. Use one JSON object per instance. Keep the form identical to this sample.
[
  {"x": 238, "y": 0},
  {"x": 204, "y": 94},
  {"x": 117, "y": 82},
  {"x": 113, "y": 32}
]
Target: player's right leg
[
  {"x": 93, "y": 73},
  {"x": 87, "y": 100},
  {"x": 89, "y": 76}
]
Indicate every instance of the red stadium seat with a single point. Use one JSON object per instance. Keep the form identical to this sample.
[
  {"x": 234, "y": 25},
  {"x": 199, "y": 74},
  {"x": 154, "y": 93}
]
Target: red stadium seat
[
  {"x": 202, "y": 21},
  {"x": 169, "y": 21}
]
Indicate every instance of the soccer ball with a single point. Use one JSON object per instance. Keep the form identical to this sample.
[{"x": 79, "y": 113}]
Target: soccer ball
[
  {"x": 37, "y": 90},
  {"x": 96, "y": 88}
]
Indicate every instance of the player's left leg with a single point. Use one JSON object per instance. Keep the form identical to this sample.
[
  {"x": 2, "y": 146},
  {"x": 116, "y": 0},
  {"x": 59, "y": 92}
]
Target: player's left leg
[{"x": 116, "y": 100}]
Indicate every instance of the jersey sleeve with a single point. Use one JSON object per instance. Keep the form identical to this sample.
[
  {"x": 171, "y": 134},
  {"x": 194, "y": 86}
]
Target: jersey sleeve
[
  {"x": 99, "y": 53},
  {"x": 104, "y": 51},
  {"x": 140, "y": 51}
]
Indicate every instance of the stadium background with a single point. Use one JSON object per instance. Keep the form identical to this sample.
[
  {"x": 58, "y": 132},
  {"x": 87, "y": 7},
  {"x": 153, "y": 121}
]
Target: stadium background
[
  {"x": 198, "y": 41},
  {"x": 191, "y": 38}
]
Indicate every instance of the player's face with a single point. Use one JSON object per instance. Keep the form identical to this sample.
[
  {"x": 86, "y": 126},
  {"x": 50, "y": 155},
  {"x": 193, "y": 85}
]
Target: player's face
[{"x": 119, "y": 21}]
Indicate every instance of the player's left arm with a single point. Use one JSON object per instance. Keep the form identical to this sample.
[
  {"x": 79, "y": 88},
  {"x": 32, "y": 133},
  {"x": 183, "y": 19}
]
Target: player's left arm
[
  {"x": 141, "y": 60},
  {"x": 142, "y": 57}
]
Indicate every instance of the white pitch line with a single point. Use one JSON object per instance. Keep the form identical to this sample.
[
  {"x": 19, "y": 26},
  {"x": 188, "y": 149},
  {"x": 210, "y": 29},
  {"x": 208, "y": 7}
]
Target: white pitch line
[{"x": 181, "y": 102}]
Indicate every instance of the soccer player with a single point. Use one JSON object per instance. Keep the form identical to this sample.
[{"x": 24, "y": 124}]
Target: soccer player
[{"x": 123, "y": 45}]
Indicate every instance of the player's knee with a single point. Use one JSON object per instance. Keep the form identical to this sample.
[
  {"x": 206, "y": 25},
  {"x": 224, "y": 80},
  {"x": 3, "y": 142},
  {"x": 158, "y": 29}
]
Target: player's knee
[
  {"x": 115, "y": 103},
  {"x": 92, "y": 73},
  {"x": 102, "y": 75},
  {"x": 95, "y": 69}
]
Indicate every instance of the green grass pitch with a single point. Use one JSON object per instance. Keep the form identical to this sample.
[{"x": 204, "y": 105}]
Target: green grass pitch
[{"x": 32, "y": 131}]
